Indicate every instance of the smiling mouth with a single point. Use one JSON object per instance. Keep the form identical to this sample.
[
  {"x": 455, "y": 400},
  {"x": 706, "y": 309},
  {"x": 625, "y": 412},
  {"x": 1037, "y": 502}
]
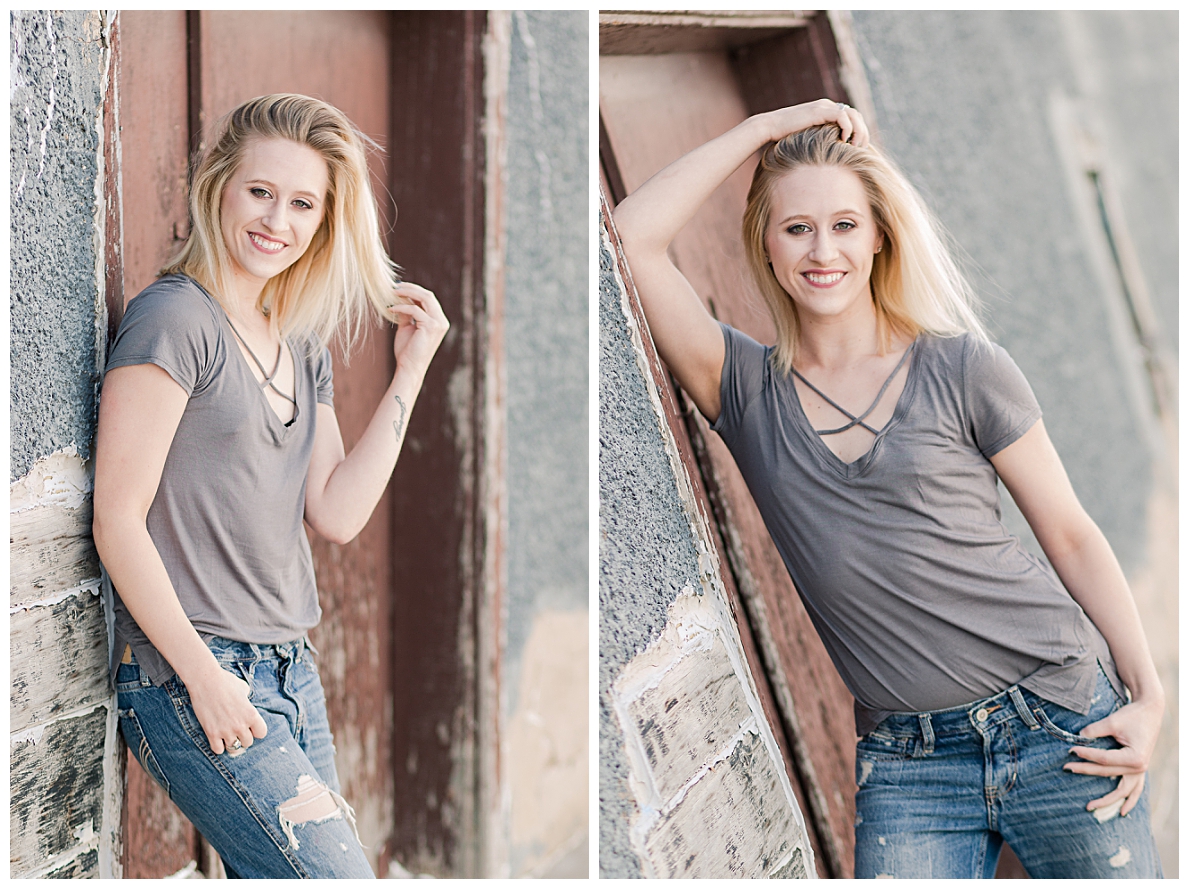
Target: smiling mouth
[
  {"x": 822, "y": 280},
  {"x": 268, "y": 245}
]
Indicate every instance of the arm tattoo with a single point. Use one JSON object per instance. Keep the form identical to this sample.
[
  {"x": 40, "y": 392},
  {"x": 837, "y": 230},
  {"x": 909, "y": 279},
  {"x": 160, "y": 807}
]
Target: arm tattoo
[{"x": 399, "y": 425}]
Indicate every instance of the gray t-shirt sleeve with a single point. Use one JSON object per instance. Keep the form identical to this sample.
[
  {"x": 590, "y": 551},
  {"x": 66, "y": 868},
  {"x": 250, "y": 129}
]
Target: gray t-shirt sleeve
[
  {"x": 324, "y": 377},
  {"x": 173, "y": 328},
  {"x": 743, "y": 368},
  {"x": 999, "y": 402}
]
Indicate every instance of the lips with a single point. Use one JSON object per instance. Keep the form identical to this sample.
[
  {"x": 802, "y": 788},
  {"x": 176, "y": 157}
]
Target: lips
[
  {"x": 823, "y": 278},
  {"x": 266, "y": 244}
]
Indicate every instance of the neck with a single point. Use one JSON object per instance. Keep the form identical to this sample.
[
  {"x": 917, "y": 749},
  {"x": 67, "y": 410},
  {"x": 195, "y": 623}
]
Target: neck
[
  {"x": 838, "y": 341},
  {"x": 243, "y": 298}
]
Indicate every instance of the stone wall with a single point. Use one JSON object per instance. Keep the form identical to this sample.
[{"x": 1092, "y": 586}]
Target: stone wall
[{"x": 65, "y": 765}]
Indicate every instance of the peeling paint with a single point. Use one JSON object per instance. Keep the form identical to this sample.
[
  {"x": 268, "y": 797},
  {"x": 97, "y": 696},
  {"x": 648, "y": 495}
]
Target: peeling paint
[
  {"x": 91, "y": 586},
  {"x": 1121, "y": 857},
  {"x": 61, "y": 479}
]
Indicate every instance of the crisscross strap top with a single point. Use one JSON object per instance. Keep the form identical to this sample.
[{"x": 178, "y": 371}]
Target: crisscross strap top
[
  {"x": 854, "y": 421},
  {"x": 268, "y": 377}
]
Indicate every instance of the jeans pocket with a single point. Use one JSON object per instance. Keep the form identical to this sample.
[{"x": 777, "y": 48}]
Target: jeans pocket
[
  {"x": 879, "y": 746},
  {"x": 1064, "y": 725},
  {"x": 135, "y": 739}
]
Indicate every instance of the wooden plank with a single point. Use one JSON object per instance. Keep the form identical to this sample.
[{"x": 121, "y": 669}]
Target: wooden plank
[
  {"x": 58, "y": 660},
  {"x": 643, "y": 33},
  {"x": 56, "y": 785},
  {"x": 439, "y": 533},
  {"x": 50, "y": 551}
]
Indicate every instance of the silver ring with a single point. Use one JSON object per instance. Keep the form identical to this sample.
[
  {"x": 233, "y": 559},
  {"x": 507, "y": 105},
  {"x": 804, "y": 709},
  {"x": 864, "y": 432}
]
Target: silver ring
[
  {"x": 842, "y": 105},
  {"x": 237, "y": 745}
]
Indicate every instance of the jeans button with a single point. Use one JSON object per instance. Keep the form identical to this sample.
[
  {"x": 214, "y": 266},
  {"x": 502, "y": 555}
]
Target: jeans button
[{"x": 981, "y": 715}]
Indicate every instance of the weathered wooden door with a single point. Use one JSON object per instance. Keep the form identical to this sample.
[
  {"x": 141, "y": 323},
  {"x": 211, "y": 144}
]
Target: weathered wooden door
[{"x": 399, "y": 634}]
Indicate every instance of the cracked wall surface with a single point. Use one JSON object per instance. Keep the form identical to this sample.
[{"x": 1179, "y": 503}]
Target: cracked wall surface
[
  {"x": 691, "y": 783},
  {"x": 65, "y": 769}
]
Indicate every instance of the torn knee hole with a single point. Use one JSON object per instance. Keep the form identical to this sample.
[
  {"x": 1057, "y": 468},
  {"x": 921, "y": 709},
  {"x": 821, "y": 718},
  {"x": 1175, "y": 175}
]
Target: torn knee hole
[{"x": 313, "y": 803}]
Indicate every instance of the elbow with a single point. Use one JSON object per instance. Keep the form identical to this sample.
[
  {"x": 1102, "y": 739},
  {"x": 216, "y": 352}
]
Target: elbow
[{"x": 339, "y": 533}]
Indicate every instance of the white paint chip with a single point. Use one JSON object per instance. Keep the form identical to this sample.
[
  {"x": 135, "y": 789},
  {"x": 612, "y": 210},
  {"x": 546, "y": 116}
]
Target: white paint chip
[
  {"x": 61, "y": 479},
  {"x": 1121, "y": 857},
  {"x": 883, "y": 841}
]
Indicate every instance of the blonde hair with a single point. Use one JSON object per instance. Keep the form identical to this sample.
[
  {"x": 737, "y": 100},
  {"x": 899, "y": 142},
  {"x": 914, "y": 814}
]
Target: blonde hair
[
  {"x": 915, "y": 283},
  {"x": 327, "y": 291}
]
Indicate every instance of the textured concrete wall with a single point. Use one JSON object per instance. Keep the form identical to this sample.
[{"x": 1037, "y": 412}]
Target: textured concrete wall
[
  {"x": 545, "y": 337},
  {"x": 65, "y": 771},
  {"x": 691, "y": 782},
  {"x": 55, "y": 100},
  {"x": 963, "y": 103}
]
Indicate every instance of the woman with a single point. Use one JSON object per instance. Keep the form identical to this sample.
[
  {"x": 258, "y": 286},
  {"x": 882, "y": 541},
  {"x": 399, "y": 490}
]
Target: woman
[
  {"x": 987, "y": 688},
  {"x": 217, "y": 438}
]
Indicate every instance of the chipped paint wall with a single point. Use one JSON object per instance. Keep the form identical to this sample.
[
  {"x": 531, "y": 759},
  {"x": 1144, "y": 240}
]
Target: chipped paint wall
[
  {"x": 998, "y": 117},
  {"x": 545, "y": 662},
  {"x": 691, "y": 782},
  {"x": 65, "y": 768}
]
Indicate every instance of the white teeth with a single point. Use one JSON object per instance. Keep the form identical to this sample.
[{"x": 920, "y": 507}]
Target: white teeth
[
  {"x": 270, "y": 246},
  {"x": 824, "y": 279}
]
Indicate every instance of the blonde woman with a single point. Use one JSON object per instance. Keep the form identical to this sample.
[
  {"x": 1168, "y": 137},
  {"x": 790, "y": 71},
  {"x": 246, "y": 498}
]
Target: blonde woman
[
  {"x": 217, "y": 438},
  {"x": 995, "y": 699}
]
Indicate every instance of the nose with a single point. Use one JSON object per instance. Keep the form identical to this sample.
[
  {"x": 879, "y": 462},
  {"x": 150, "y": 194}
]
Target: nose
[
  {"x": 276, "y": 217},
  {"x": 823, "y": 249}
]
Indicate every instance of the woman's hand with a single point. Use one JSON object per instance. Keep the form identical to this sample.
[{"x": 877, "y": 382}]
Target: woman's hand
[
  {"x": 1136, "y": 727},
  {"x": 220, "y": 702},
  {"x": 421, "y": 327},
  {"x": 796, "y": 118}
]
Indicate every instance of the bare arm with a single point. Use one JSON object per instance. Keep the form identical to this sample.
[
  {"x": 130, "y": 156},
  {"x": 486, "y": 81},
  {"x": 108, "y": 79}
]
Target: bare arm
[
  {"x": 1082, "y": 558},
  {"x": 343, "y": 489},
  {"x": 686, "y": 337},
  {"x": 138, "y": 416}
]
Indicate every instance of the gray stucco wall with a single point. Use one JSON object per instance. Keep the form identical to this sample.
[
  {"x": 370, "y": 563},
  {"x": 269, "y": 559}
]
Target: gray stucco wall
[
  {"x": 646, "y": 555},
  {"x": 962, "y": 101},
  {"x": 545, "y": 324},
  {"x": 55, "y": 103}
]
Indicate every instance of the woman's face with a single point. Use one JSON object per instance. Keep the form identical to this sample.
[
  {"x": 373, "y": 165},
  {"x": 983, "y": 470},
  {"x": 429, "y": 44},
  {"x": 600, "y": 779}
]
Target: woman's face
[
  {"x": 821, "y": 238},
  {"x": 271, "y": 207}
]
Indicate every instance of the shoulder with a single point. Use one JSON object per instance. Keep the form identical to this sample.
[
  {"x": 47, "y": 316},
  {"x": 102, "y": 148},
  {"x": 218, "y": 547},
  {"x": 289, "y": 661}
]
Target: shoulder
[{"x": 176, "y": 301}]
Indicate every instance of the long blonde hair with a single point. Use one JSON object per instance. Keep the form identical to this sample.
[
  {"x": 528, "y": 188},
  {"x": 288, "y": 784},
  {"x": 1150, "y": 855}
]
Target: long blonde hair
[
  {"x": 915, "y": 283},
  {"x": 328, "y": 290}
]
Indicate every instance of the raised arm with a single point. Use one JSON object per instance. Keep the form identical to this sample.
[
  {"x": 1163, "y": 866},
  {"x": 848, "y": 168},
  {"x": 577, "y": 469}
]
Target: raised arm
[
  {"x": 686, "y": 337},
  {"x": 343, "y": 489},
  {"x": 138, "y": 417}
]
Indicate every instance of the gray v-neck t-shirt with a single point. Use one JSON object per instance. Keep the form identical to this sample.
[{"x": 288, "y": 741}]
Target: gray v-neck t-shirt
[
  {"x": 922, "y": 598},
  {"x": 227, "y": 516}
]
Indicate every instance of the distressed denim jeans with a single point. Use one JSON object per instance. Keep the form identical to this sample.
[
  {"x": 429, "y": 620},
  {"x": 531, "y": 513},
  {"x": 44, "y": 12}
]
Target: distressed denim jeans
[
  {"x": 272, "y": 809},
  {"x": 940, "y": 792}
]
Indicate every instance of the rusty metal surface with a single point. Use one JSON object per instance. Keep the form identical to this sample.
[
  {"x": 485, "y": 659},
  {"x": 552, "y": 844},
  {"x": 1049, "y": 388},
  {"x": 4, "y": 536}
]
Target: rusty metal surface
[
  {"x": 113, "y": 244},
  {"x": 153, "y": 141},
  {"x": 654, "y": 110},
  {"x": 438, "y": 529},
  {"x": 157, "y": 838}
]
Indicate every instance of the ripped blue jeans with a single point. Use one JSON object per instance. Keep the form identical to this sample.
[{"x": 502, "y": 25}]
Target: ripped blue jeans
[
  {"x": 272, "y": 809},
  {"x": 940, "y": 792}
]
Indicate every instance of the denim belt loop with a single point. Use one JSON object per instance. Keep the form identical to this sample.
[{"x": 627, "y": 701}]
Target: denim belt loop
[
  {"x": 926, "y": 732},
  {"x": 1022, "y": 707}
]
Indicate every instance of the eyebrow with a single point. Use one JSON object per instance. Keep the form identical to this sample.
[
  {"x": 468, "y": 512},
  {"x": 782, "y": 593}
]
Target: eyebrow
[
  {"x": 837, "y": 214},
  {"x": 271, "y": 185}
]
